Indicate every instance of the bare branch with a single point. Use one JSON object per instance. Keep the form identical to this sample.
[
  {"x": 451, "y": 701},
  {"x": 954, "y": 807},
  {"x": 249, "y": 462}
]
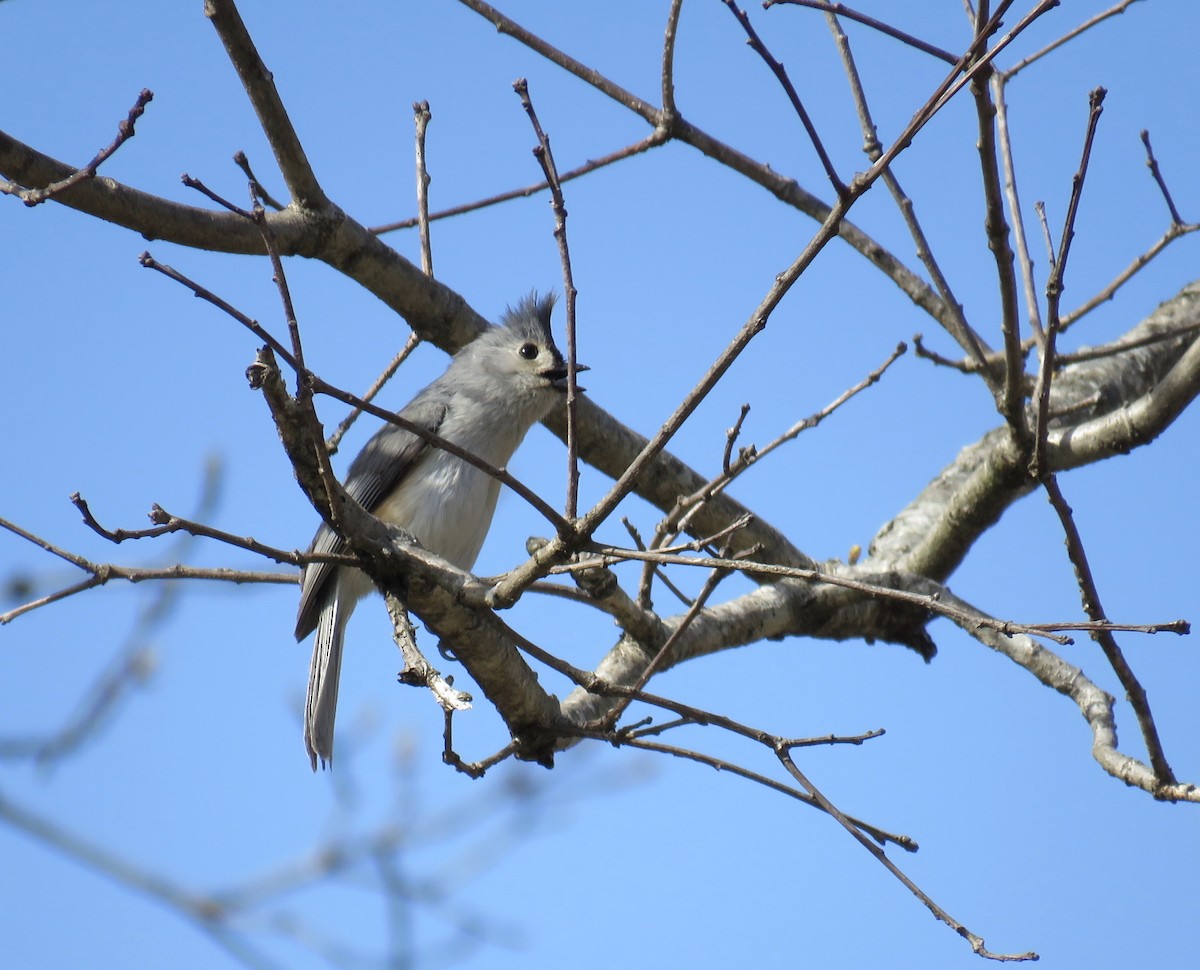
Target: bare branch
[
  {"x": 841, "y": 10},
  {"x": 653, "y": 140},
  {"x": 1117, "y": 8},
  {"x": 125, "y": 131},
  {"x": 781, "y": 75},
  {"x": 720, "y": 764},
  {"x": 242, "y": 162},
  {"x": 1134, "y": 691},
  {"x": 545, "y": 158},
  {"x": 166, "y": 524},
  {"x": 1152, "y": 164},
  {"x": 1094, "y": 704},
  {"x": 1011, "y": 396},
  {"x": 1054, "y": 287},
  {"x": 279, "y": 277},
  {"x": 1174, "y": 231},
  {"x": 953, "y": 320},
  {"x": 1015, "y": 213},
  {"x": 731, "y": 437},
  {"x": 272, "y": 116},
  {"x": 388, "y": 373},
  {"x": 418, "y": 672},
  {"x": 668, "y": 60},
  {"x": 977, "y": 943},
  {"x": 101, "y": 573},
  {"x": 421, "y": 117}
]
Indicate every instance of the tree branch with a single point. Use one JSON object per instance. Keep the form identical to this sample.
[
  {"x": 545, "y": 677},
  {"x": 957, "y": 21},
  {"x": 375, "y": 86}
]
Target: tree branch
[{"x": 302, "y": 183}]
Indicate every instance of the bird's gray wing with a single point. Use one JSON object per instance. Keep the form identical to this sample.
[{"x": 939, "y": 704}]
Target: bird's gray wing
[{"x": 373, "y": 475}]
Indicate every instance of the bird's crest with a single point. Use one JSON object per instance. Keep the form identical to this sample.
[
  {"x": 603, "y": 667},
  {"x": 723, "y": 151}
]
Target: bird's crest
[{"x": 531, "y": 316}]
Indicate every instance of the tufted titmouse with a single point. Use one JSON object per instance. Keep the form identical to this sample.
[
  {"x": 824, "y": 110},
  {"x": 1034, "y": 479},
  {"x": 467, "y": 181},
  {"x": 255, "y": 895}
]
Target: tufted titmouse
[{"x": 492, "y": 393}]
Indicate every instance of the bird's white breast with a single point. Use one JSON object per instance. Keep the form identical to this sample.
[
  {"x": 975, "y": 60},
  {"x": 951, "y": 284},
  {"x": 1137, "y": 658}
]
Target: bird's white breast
[{"x": 446, "y": 503}]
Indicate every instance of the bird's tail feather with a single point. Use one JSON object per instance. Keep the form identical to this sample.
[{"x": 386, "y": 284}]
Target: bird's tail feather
[{"x": 320, "y": 707}]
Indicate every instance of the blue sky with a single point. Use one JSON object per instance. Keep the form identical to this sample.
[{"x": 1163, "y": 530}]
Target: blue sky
[{"x": 118, "y": 385}]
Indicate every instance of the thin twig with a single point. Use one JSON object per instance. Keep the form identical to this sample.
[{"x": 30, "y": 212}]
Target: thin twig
[
  {"x": 285, "y": 293},
  {"x": 1010, "y": 397},
  {"x": 1152, "y": 164},
  {"x": 1070, "y": 35},
  {"x": 1125, "y": 344},
  {"x": 545, "y": 158},
  {"x": 167, "y": 524},
  {"x": 728, "y": 767},
  {"x": 841, "y": 10},
  {"x": 731, "y": 437},
  {"x": 388, "y": 373},
  {"x": 781, "y": 75},
  {"x": 645, "y": 598},
  {"x": 1040, "y": 208},
  {"x": 1015, "y": 213},
  {"x": 1135, "y": 693},
  {"x": 101, "y": 573},
  {"x": 1181, "y": 627},
  {"x": 242, "y": 162},
  {"x": 199, "y": 186},
  {"x": 966, "y": 365},
  {"x": 977, "y": 942},
  {"x": 954, "y": 320},
  {"x": 125, "y": 131},
  {"x": 711, "y": 583},
  {"x": 421, "y": 117},
  {"x": 699, "y": 545},
  {"x": 687, "y": 506},
  {"x": 668, "y": 60},
  {"x": 1174, "y": 231},
  {"x": 1054, "y": 288},
  {"x": 653, "y": 140}
]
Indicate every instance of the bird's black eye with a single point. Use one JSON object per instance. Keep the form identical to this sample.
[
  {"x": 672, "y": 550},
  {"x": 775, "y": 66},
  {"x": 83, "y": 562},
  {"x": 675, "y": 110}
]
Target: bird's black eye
[{"x": 528, "y": 351}]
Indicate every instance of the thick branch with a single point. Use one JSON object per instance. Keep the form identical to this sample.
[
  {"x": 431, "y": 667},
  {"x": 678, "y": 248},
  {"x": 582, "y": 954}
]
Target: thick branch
[
  {"x": 272, "y": 116},
  {"x": 1106, "y": 406}
]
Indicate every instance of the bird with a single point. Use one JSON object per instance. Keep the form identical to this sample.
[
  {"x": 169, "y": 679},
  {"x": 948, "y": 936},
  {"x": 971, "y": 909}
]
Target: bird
[{"x": 491, "y": 393}]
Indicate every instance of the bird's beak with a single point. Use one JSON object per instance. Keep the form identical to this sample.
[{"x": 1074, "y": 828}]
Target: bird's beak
[{"x": 558, "y": 376}]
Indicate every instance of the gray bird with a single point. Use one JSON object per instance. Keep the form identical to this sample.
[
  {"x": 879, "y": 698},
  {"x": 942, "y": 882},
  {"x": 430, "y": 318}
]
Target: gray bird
[{"x": 495, "y": 389}]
